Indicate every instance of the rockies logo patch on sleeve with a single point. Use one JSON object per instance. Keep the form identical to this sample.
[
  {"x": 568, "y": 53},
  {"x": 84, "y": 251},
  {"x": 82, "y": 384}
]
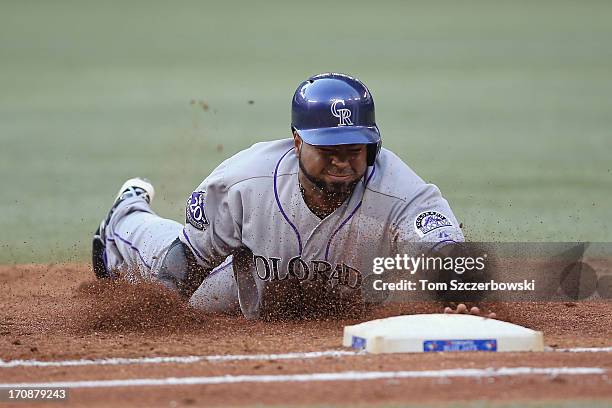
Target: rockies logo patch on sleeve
[
  {"x": 430, "y": 220},
  {"x": 195, "y": 211}
]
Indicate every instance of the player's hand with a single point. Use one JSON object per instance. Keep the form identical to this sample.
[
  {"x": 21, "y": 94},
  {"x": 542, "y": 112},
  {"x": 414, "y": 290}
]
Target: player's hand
[{"x": 463, "y": 309}]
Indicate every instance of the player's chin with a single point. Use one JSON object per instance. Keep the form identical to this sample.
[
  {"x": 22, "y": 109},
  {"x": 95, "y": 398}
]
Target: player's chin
[
  {"x": 339, "y": 187},
  {"x": 340, "y": 179}
]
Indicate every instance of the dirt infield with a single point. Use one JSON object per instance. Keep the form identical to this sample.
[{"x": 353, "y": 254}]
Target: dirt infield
[{"x": 55, "y": 313}]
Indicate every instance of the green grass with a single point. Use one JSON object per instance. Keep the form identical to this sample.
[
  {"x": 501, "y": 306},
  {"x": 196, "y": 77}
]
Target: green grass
[{"x": 507, "y": 106}]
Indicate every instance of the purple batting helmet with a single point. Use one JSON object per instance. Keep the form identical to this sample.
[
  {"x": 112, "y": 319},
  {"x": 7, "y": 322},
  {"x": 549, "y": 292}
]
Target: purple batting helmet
[{"x": 335, "y": 109}]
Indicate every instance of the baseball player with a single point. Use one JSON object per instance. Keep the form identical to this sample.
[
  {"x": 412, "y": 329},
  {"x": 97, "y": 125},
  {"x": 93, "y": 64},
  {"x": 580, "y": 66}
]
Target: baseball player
[{"x": 286, "y": 225}]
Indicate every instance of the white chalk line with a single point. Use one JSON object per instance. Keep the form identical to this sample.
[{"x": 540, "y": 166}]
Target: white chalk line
[
  {"x": 341, "y": 376},
  {"x": 221, "y": 358},
  {"x": 585, "y": 350},
  {"x": 178, "y": 359}
]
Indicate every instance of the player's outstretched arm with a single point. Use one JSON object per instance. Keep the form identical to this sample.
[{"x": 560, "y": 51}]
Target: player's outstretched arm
[
  {"x": 459, "y": 305},
  {"x": 434, "y": 229}
]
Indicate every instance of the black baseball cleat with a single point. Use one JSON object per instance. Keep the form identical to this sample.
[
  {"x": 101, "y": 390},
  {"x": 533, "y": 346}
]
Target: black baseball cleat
[{"x": 131, "y": 188}]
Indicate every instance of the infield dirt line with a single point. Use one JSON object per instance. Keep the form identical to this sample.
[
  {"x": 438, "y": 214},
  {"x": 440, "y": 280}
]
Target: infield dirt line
[
  {"x": 341, "y": 376},
  {"x": 220, "y": 358}
]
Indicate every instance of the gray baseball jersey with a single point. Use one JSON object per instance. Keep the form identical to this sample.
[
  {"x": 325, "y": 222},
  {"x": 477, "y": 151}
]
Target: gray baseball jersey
[{"x": 253, "y": 200}]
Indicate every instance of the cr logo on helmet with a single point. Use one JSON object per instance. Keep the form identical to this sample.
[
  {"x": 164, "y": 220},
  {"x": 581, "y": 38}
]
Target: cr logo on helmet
[{"x": 343, "y": 114}]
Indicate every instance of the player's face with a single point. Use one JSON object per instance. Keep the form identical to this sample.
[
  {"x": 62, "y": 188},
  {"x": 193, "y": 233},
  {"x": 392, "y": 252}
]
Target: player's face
[{"x": 335, "y": 169}]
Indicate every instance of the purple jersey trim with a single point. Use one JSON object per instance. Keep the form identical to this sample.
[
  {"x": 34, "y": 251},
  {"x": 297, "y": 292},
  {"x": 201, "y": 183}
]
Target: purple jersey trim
[
  {"x": 224, "y": 267},
  {"x": 350, "y": 215},
  {"x": 280, "y": 207},
  {"x": 441, "y": 242},
  {"x": 125, "y": 241},
  {"x": 193, "y": 249}
]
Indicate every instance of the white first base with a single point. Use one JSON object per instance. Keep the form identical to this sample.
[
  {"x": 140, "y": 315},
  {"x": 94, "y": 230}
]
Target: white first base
[{"x": 440, "y": 332}]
